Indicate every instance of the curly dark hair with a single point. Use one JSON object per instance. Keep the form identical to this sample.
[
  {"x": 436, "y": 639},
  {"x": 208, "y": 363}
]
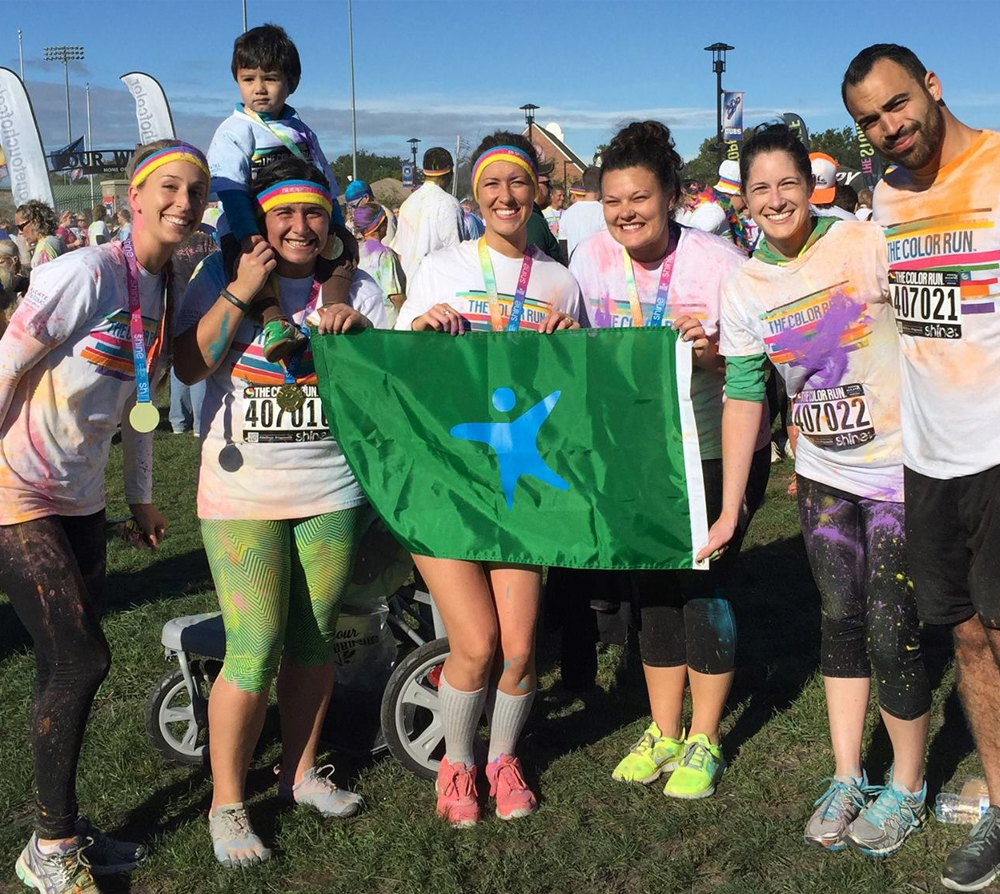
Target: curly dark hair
[
  {"x": 646, "y": 144},
  {"x": 41, "y": 215}
]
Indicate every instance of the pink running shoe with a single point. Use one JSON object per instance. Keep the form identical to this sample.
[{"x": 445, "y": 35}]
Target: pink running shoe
[
  {"x": 507, "y": 785},
  {"x": 457, "y": 797}
]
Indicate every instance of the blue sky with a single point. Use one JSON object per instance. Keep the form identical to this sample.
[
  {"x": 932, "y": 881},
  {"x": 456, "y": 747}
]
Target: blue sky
[{"x": 435, "y": 69}]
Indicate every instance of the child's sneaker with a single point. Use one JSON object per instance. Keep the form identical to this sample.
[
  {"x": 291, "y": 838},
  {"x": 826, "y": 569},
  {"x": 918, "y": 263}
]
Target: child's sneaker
[
  {"x": 317, "y": 789},
  {"x": 64, "y": 872},
  {"x": 507, "y": 785},
  {"x": 105, "y": 854},
  {"x": 700, "y": 768},
  {"x": 281, "y": 340},
  {"x": 883, "y": 826},
  {"x": 233, "y": 839},
  {"x": 836, "y": 809},
  {"x": 652, "y": 756},
  {"x": 458, "y": 801}
]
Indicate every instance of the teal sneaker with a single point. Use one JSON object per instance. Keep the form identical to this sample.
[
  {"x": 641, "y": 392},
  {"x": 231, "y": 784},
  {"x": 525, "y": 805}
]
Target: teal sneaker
[
  {"x": 883, "y": 826},
  {"x": 836, "y": 809},
  {"x": 700, "y": 768},
  {"x": 652, "y": 756}
]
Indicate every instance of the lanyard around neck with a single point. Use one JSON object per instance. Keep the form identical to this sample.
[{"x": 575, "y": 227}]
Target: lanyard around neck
[
  {"x": 662, "y": 289},
  {"x": 144, "y": 416},
  {"x": 288, "y": 142},
  {"x": 291, "y": 370},
  {"x": 490, "y": 280}
]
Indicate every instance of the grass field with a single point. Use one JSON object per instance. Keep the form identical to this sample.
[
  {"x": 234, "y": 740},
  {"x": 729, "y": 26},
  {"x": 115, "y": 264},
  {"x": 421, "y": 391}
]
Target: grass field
[{"x": 591, "y": 835}]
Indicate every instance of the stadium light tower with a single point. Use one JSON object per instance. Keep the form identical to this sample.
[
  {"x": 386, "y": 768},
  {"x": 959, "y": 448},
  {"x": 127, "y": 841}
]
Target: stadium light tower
[
  {"x": 718, "y": 51},
  {"x": 65, "y": 55},
  {"x": 529, "y": 110}
]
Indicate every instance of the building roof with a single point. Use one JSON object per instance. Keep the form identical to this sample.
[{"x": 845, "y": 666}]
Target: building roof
[{"x": 561, "y": 146}]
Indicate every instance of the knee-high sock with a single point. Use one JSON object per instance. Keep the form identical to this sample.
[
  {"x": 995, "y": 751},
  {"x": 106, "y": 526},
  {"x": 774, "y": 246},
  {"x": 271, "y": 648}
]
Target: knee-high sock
[
  {"x": 509, "y": 715},
  {"x": 460, "y": 713}
]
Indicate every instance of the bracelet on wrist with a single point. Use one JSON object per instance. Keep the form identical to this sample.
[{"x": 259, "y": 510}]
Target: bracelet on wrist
[{"x": 232, "y": 299}]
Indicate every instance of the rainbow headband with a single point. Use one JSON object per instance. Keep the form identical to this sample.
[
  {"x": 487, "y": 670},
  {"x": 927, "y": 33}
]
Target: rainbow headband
[
  {"x": 376, "y": 223},
  {"x": 510, "y": 154},
  {"x": 183, "y": 152},
  {"x": 439, "y": 173},
  {"x": 293, "y": 192},
  {"x": 577, "y": 191}
]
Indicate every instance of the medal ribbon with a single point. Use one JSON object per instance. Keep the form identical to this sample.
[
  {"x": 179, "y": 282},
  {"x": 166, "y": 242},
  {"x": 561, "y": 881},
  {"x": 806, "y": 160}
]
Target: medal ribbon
[
  {"x": 489, "y": 278},
  {"x": 140, "y": 362},
  {"x": 288, "y": 142},
  {"x": 292, "y": 364},
  {"x": 662, "y": 289}
]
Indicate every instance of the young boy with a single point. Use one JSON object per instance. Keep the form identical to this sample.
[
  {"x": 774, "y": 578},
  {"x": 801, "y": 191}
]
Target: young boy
[{"x": 261, "y": 130}]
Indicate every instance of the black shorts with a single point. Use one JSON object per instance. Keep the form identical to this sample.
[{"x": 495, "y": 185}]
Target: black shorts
[{"x": 953, "y": 546}]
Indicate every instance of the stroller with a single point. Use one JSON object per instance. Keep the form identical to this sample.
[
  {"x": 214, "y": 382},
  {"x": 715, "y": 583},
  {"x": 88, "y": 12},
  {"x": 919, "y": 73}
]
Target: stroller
[{"x": 389, "y": 651}]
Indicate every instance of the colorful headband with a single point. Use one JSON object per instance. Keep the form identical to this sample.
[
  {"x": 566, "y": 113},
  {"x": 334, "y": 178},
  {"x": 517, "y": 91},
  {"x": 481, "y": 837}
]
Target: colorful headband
[
  {"x": 510, "y": 154},
  {"x": 577, "y": 191},
  {"x": 182, "y": 152},
  {"x": 293, "y": 192},
  {"x": 428, "y": 172}
]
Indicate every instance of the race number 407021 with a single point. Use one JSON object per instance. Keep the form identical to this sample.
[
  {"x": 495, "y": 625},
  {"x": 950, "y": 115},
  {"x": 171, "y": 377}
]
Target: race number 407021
[{"x": 927, "y": 303}]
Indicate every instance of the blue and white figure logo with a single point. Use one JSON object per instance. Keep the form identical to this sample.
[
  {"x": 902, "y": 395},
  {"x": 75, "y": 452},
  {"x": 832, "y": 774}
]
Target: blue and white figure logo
[{"x": 515, "y": 442}]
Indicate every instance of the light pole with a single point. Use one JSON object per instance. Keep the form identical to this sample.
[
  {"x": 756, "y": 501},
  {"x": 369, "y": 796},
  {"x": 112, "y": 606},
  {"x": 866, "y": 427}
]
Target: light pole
[
  {"x": 529, "y": 110},
  {"x": 20, "y": 54},
  {"x": 354, "y": 109},
  {"x": 90, "y": 144},
  {"x": 64, "y": 55},
  {"x": 413, "y": 148},
  {"x": 718, "y": 51},
  {"x": 244, "y": 16}
]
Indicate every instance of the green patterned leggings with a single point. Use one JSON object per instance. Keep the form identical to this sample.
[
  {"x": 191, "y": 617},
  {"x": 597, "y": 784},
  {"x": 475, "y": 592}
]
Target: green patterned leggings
[{"x": 279, "y": 585}]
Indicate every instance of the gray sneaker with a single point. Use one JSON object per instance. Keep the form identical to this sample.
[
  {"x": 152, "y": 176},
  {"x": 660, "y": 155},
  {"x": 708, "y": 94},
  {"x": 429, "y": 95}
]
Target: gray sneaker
[
  {"x": 317, "y": 789},
  {"x": 836, "y": 809},
  {"x": 105, "y": 854},
  {"x": 233, "y": 839},
  {"x": 64, "y": 872},
  {"x": 888, "y": 821}
]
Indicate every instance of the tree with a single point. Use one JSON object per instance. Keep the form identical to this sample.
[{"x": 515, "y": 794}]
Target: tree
[
  {"x": 371, "y": 167},
  {"x": 704, "y": 167},
  {"x": 840, "y": 143}
]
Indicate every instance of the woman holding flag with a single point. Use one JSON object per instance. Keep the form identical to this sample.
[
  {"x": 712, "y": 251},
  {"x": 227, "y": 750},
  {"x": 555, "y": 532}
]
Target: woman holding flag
[
  {"x": 281, "y": 553},
  {"x": 81, "y": 349},
  {"x": 489, "y": 610},
  {"x": 646, "y": 270}
]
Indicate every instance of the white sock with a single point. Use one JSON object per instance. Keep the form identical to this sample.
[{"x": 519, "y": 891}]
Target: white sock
[
  {"x": 509, "y": 715},
  {"x": 460, "y": 713}
]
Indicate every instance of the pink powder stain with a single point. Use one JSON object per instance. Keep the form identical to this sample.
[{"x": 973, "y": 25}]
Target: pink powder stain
[
  {"x": 239, "y": 602},
  {"x": 823, "y": 355}
]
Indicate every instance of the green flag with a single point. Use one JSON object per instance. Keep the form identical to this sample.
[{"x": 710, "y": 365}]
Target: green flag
[{"x": 575, "y": 449}]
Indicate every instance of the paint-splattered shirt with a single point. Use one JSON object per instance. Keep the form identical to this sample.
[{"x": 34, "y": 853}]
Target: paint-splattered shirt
[
  {"x": 703, "y": 262},
  {"x": 382, "y": 265},
  {"x": 66, "y": 376},
  {"x": 825, "y": 322},
  {"x": 429, "y": 220},
  {"x": 453, "y": 276},
  {"x": 260, "y": 460},
  {"x": 944, "y": 275}
]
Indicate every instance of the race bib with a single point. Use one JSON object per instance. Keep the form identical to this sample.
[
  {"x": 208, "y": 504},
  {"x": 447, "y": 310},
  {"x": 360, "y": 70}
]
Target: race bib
[
  {"x": 928, "y": 303},
  {"x": 264, "y": 422},
  {"x": 834, "y": 418}
]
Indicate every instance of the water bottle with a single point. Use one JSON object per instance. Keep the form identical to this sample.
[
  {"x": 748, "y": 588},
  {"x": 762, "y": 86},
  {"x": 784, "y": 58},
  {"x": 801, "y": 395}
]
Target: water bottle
[{"x": 957, "y": 808}]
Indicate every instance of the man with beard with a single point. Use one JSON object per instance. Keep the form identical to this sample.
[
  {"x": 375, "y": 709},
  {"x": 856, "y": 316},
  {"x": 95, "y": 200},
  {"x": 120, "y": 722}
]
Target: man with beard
[{"x": 941, "y": 208}]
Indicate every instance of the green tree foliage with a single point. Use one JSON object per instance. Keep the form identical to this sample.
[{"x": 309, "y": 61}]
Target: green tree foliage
[
  {"x": 371, "y": 167},
  {"x": 704, "y": 167},
  {"x": 839, "y": 143}
]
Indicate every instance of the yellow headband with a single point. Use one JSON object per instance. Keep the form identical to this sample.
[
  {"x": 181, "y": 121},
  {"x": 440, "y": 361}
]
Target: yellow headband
[
  {"x": 183, "y": 152},
  {"x": 511, "y": 154}
]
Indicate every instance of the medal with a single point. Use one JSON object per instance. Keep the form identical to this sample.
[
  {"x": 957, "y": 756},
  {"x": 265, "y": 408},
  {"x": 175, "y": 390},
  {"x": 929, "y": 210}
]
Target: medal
[
  {"x": 290, "y": 397},
  {"x": 144, "y": 417}
]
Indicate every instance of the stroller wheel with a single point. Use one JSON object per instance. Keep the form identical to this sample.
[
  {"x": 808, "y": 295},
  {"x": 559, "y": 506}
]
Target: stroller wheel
[
  {"x": 177, "y": 720},
  {"x": 411, "y": 721}
]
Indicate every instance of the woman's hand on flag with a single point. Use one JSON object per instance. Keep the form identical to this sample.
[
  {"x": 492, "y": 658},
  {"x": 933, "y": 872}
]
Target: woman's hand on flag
[
  {"x": 440, "y": 318},
  {"x": 557, "y": 320},
  {"x": 719, "y": 536},
  {"x": 338, "y": 318}
]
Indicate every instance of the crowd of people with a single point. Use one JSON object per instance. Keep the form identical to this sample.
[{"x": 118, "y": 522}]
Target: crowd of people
[{"x": 883, "y": 332}]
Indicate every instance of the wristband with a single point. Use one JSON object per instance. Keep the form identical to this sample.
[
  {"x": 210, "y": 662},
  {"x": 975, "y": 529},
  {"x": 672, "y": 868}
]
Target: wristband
[{"x": 232, "y": 299}]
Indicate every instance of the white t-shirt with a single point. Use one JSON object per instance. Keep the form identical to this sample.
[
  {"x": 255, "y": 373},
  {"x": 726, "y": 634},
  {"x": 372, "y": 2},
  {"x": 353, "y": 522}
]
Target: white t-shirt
[
  {"x": 825, "y": 322},
  {"x": 944, "y": 248},
  {"x": 430, "y": 219},
  {"x": 258, "y": 461},
  {"x": 703, "y": 262},
  {"x": 98, "y": 233},
  {"x": 580, "y": 220},
  {"x": 66, "y": 369},
  {"x": 453, "y": 276},
  {"x": 709, "y": 217}
]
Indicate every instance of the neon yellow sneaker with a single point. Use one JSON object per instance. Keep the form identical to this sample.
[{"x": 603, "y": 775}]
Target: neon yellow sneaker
[
  {"x": 650, "y": 757},
  {"x": 700, "y": 768}
]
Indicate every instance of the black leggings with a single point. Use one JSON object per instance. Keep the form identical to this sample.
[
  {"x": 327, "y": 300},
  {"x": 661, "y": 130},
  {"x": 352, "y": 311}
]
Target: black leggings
[
  {"x": 685, "y": 616},
  {"x": 52, "y": 570},
  {"x": 857, "y": 551}
]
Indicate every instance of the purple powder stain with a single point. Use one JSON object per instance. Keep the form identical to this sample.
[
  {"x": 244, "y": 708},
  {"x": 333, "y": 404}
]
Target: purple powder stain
[
  {"x": 821, "y": 352},
  {"x": 603, "y": 315}
]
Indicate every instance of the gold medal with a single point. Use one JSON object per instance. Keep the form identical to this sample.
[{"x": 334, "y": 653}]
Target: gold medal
[
  {"x": 144, "y": 417},
  {"x": 290, "y": 397}
]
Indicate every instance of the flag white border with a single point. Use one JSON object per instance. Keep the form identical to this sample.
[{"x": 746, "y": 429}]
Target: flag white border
[{"x": 683, "y": 366}]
